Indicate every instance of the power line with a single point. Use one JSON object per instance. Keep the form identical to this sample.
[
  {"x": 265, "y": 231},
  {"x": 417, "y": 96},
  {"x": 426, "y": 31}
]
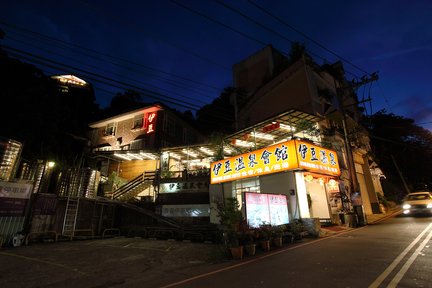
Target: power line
[
  {"x": 306, "y": 36},
  {"x": 68, "y": 44},
  {"x": 242, "y": 33},
  {"x": 164, "y": 97},
  {"x": 108, "y": 81},
  {"x": 110, "y": 72},
  {"x": 100, "y": 8},
  {"x": 263, "y": 26},
  {"x": 219, "y": 23}
]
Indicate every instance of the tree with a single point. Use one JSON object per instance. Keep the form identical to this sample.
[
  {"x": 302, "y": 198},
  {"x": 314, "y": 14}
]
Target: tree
[
  {"x": 397, "y": 143},
  {"x": 124, "y": 102},
  {"x": 39, "y": 116},
  {"x": 219, "y": 115}
]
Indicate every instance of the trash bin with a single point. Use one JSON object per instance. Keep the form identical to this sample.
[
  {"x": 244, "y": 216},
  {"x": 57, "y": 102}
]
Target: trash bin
[{"x": 350, "y": 220}]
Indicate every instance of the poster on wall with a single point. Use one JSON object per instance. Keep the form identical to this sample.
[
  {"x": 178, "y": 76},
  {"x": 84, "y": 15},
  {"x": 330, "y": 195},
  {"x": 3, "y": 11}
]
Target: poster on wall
[{"x": 266, "y": 209}]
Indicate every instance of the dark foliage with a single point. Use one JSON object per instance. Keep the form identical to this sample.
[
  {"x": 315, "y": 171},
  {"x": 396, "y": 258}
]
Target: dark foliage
[
  {"x": 52, "y": 125},
  {"x": 398, "y": 143},
  {"x": 217, "y": 116}
]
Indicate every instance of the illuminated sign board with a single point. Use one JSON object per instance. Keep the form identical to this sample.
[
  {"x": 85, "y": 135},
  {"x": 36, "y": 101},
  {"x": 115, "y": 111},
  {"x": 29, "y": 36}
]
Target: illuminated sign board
[
  {"x": 317, "y": 159},
  {"x": 150, "y": 122},
  {"x": 266, "y": 209},
  {"x": 280, "y": 157}
]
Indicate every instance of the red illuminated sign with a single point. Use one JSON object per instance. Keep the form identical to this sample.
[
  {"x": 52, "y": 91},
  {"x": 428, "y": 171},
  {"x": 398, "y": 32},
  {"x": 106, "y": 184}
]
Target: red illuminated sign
[
  {"x": 150, "y": 122},
  {"x": 271, "y": 127}
]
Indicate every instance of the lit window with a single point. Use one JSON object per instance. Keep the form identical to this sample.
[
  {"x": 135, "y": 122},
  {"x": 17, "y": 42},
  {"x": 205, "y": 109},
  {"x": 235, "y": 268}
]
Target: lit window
[
  {"x": 138, "y": 122},
  {"x": 110, "y": 129}
]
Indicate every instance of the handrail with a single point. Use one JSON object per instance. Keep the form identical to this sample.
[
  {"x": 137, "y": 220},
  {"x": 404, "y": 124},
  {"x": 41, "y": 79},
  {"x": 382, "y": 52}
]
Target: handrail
[{"x": 142, "y": 178}]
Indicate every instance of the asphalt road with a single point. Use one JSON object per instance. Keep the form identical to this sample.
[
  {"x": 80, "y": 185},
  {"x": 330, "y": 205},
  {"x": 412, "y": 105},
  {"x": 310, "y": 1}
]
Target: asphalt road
[
  {"x": 394, "y": 253},
  {"x": 395, "y": 250}
]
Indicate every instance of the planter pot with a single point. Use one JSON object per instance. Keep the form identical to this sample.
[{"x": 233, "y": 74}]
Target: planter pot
[
  {"x": 277, "y": 242},
  {"x": 265, "y": 245},
  {"x": 250, "y": 249},
  {"x": 237, "y": 252}
]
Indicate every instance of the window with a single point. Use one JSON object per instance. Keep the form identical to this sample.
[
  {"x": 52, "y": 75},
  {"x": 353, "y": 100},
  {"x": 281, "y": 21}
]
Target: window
[
  {"x": 110, "y": 129},
  {"x": 138, "y": 122},
  {"x": 137, "y": 144}
]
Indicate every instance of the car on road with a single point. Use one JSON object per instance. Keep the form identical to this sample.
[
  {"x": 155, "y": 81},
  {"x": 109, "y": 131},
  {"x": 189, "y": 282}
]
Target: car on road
[{"x": 417, "y": 203}]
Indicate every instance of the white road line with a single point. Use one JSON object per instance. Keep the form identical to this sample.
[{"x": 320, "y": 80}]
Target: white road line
[
  {"x": 408, "y": 264},
  {"x": 393, "y": 265}
]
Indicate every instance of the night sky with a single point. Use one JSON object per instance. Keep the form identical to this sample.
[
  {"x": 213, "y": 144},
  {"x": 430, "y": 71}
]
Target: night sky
[{"x": 184, "y": 49}]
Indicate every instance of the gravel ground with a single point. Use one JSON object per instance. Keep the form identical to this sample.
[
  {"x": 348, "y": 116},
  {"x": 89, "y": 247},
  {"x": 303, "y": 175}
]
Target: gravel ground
[{"x": 119, "y": 262}]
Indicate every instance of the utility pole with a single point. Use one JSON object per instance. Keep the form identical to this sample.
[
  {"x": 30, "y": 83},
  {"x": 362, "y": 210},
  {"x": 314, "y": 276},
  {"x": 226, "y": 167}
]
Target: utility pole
[{"x": 354, "y": 190}]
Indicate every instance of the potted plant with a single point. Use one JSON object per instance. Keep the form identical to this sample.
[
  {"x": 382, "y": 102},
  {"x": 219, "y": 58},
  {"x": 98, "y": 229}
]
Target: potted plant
[
  {"x": 230, "y": 217},
  {"x": 264, "y": 236},
  {"x": 296, "y": 229},
  {"x": 276, "y": 235},
  {"x": 249, "y": 243}
]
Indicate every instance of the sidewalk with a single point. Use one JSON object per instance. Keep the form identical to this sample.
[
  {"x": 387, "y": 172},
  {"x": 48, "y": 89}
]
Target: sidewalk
[{"x": 371, "y": 219}]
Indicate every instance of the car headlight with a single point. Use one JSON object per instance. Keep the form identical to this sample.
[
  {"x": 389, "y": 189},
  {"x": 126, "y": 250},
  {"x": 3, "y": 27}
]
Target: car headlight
[
  {"x": 429, "y": 205},
  {"x": 406, "y": 206}
]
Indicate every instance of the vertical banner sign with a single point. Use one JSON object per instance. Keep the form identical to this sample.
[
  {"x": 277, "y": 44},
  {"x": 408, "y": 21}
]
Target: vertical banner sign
[{"x": 150, "y": 122}]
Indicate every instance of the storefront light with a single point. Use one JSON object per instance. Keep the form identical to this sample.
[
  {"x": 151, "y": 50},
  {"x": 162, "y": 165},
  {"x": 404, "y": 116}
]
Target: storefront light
[
  {"x": 301, "y": 195},
  {"x": 206, "y": 151},
  {"x": 190, "y": 153},
  {"x": 227, "y": 150},
  {"x": 262, "y": 136},
  {"x": 242, "y": 143},
  {"x": 286, "y": 127},
  {"x": 122, "y": 156},
  {"x": 308, "y": 178}
]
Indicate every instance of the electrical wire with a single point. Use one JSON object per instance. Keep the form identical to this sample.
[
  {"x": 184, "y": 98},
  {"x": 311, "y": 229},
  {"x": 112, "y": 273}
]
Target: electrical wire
[
  {"x": 108, "y": 81},
  {"x": 106, "y": 71},
  {"x": 98, "y": 53},
  {"x": 306, "y": 36}
]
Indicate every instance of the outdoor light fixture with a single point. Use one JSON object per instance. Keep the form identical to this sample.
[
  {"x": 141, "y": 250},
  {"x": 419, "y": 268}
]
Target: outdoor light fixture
[
  {"x": 134, "y": 156},
  {"x": 206, "y": 151},
  {"x": 122, "y": 156},
  {"x": 190, "y": 153},
  {"x": 174, "y": 155},
  {"x": 243, "y": 143},
  {"x": 51, "y": 164},
  {"x": 262, "y": 136},
  {"x": 286, "y": 127},
  {"x": 148, "y": 155}
]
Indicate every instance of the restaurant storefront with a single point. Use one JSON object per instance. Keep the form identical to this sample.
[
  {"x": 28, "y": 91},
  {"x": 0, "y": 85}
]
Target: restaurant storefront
[{"x": 306, "y": 175}]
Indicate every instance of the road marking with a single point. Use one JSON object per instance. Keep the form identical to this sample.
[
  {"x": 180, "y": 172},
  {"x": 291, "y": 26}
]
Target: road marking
[
  {"x": 393, "y": 265},
  {"x": 43, "y": 261},
  {"x": 408, "y": 264},
  {"x": 256, "y": 259}
]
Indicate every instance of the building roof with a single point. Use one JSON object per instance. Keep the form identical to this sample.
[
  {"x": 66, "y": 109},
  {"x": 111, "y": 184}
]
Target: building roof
[
  {"x": 274, "y": 130},
  {"x": 127, "y": 115}
]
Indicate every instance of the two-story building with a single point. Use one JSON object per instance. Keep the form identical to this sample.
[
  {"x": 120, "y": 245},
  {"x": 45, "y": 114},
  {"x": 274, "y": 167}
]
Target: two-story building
[{"x": 273, "y": 87}]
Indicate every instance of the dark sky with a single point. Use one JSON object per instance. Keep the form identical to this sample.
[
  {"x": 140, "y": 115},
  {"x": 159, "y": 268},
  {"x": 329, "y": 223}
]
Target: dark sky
[{"x": 185, "y": 52}]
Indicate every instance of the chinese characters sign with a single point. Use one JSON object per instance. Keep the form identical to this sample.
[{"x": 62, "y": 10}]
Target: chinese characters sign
[
  {"x": 150, "y": 122},
  {"x": 317, "y": 159},
  {"x": 276, "y": 158}
]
